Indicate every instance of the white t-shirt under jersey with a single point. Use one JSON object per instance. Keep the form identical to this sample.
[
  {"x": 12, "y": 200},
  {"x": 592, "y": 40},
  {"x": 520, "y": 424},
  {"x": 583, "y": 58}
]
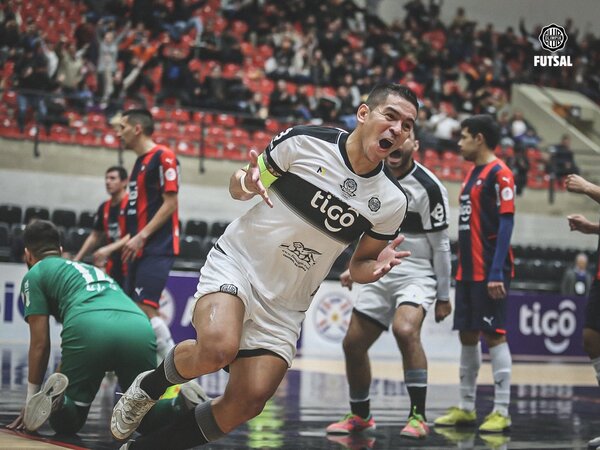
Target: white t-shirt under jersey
[{"x": 320, "y": 207}]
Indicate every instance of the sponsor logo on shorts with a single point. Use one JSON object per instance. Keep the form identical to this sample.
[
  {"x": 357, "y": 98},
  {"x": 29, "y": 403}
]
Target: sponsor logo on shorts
[
  {"x": 229, "y": 289},
  {"x": 302, "y": 257}
]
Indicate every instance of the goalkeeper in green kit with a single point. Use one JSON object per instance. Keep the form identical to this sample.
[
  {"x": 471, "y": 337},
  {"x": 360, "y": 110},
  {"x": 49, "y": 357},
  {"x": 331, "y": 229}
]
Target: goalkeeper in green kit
[{"x": 103, "y": 330}]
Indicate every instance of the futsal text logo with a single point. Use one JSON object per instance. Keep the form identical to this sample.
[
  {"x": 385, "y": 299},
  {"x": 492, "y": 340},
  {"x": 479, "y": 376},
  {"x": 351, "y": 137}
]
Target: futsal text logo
[{"x": 552, "y": 38}]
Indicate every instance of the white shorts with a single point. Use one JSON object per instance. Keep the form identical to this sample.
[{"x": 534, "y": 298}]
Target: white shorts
[
  {"x": 380, "y": 299},
  {"x": 267, "y": 325}
]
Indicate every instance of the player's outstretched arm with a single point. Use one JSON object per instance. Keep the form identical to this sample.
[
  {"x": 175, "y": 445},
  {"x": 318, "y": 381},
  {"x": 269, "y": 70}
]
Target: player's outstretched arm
[
  {"x": 579, "y": 185},
  {"x": 577, "y": 222},
  {"x": 246, "y": 183},
  {"x": 373, "y": 258},
  {"x": 90, "y": 242}
]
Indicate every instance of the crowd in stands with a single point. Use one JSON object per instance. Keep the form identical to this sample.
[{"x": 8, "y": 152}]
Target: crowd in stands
[{"x": 300, "y": 60}]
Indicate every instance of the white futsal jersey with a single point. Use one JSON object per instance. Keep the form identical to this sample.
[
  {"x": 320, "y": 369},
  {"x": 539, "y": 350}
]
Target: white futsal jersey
[
  {"x": 320, "y": 207},
  {"x": 427, "y": 212}
]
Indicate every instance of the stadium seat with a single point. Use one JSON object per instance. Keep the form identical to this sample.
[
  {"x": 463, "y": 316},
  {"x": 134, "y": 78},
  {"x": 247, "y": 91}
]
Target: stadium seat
[
  {"x": 197, "y": 228},
  {"x": 86, "y": 219},
  {"x": 36, "y": 212},
  {"x": 10, "y": 214},
  {"x": 217, "y": 228},
  {"x": 64, "y": 218},
  {"x": 190, "y": 247},
  {"x": 74, "y": 239},
  {"x": 4, "y": 243}
]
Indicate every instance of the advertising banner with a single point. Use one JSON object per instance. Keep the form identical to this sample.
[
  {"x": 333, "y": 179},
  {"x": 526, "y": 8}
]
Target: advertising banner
[
  {"x": 547, "y": 326},
  {"x": 539, "y": 326}
]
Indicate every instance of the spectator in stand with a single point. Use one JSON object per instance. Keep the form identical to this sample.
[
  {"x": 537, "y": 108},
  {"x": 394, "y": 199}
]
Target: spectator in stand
[
  {"x": 281, "y": 102},
  {"x": 319, "y": 68},
  {"x": 176, "y": 76},
  {"x": 562, "y": 158},
  {"x": 518, "y": 125},
  {"x": 70, "y": 75},
  {"x": 33, "y": 84},
  {"x": 577, "y": 280},
  {"x": 208, "y": 45},
  {"x": 445, "y": 127},
  {"x": 181, "y": 20},
  {"x": 519, "y": 164},
  {"x": 108, "y": 50}
]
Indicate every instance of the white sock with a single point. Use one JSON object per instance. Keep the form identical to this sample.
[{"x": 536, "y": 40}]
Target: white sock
[
  {"x": 470, "y": 361},
  {"x": 164, "y": 341},
  {"x": 502, "y": 370},
  {"x": 596, "y": 366}
]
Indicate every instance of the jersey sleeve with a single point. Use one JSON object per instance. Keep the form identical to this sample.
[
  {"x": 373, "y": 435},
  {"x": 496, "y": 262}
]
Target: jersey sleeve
[
  {"x": 281, "y": 152},
  {"x": 99, "y": 218},
  {"x": 33, "y": 295},
  {"x": 505, "y": 189},
  {"x": 435, "y": 217},
  {"x": 390, "y": 227},
  {"x": 169, "y": 172}
]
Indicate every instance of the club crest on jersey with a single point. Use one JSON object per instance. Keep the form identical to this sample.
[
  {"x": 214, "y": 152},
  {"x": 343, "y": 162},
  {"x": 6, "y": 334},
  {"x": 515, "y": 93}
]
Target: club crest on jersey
[
  {"x": 374, "y": 204},
  {"x": 349, "y": 188},
  {"x": 301, "y": 256}
]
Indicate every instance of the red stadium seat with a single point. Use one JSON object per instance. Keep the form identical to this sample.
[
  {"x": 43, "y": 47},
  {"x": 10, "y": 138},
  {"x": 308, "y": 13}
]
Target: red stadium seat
[
  {"x": 159, "y": 113},
  {"x": 186, "y": 148}
]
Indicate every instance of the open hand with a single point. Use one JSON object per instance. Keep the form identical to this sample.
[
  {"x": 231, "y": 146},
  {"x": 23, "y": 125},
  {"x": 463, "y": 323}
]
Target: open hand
[
  {"x": 17, "y": 424},
  {"x": 389, "y": 257},
  {"x": 346, "y": 279}
]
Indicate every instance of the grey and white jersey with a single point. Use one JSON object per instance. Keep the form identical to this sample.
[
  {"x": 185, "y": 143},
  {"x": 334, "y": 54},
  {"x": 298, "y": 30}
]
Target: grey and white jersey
[
  {"x": 427, "y": 213},
  {"x": 320, "y": 207}
]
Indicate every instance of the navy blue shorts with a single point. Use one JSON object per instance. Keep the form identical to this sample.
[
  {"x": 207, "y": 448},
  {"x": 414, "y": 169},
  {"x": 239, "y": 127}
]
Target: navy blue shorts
[
  {"x": 592, "y": 309},
  {"x": 147, "y": 277},
  {"x": 475, "y": 310}
]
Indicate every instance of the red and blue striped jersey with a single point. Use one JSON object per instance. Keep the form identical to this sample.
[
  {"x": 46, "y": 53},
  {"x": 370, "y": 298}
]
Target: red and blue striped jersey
[
  {"x": 154, "y": 173},
  {"x": 110, "y": 220},
  {"x": 488, "y": 192}
]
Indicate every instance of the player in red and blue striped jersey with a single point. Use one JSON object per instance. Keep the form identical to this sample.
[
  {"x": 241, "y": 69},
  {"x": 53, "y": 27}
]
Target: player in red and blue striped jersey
[
  {"x": 151, "y": 218},
  {"x": 484, "y": 272},
  {"x": 109, "y": 225}
]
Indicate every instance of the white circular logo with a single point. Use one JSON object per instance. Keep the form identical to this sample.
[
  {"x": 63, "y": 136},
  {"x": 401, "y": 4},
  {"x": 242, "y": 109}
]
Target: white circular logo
[
  {"x": 332, "y": 316},
  {"x": 170, "y": 174},
  {"x": 507, "y": 194}
]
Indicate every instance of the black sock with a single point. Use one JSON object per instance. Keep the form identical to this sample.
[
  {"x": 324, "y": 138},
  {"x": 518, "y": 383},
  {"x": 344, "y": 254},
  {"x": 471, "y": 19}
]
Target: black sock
[
  {"x": 361, "y": 409},
  {"x": 179, "y": 435},
  {"x": 155, "y": 383},
  {"x": 417, "y": 400}
]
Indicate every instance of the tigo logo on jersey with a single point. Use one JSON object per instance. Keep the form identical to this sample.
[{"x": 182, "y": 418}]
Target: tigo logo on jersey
[
  {"x": 552, "y": 38},
  {"x": 336, "y": 218}
]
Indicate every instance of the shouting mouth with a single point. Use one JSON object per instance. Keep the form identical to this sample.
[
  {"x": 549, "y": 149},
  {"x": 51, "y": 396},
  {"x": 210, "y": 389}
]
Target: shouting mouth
[{"x": 386, "y": 144}]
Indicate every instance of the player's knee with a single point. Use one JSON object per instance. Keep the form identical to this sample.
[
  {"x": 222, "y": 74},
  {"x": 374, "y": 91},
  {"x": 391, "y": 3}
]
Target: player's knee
[
  {"x": 351, "y": 345},
  {"x": 405, "y": 331},
  {"x": 216, "y": 353},
  {"x": 253, "y": 405}
]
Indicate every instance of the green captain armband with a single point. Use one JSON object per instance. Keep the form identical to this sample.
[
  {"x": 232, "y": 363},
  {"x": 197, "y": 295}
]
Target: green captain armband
[{"x": 266, "y": 176}]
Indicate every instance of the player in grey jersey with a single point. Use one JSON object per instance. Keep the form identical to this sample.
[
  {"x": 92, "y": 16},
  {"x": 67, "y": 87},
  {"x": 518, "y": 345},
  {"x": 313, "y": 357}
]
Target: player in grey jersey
[
  {"x": 327, "y": 188},
  {"x": 402, "y": 298}
]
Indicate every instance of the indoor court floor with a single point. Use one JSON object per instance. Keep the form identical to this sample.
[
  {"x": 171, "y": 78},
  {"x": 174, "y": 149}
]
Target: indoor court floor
[{"x": 554, "y": 406}]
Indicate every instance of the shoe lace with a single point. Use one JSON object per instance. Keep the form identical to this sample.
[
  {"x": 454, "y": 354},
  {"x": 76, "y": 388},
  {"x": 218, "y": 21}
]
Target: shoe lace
[{"x": 134, "y": 405}]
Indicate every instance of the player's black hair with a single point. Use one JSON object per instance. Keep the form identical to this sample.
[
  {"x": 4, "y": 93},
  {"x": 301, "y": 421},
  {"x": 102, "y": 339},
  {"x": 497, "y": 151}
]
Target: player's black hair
[
  {"x": 381, "y": 92},
  {"x": 122, "y": 171},
  {"x": 142, "y": 117},
  {"x": 41, "y": 237},
  {"x": 486, "y": 125}
]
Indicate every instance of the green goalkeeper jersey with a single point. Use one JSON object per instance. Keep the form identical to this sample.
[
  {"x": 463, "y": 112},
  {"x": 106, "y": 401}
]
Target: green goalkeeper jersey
[{"x": 64, "y": 289}]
